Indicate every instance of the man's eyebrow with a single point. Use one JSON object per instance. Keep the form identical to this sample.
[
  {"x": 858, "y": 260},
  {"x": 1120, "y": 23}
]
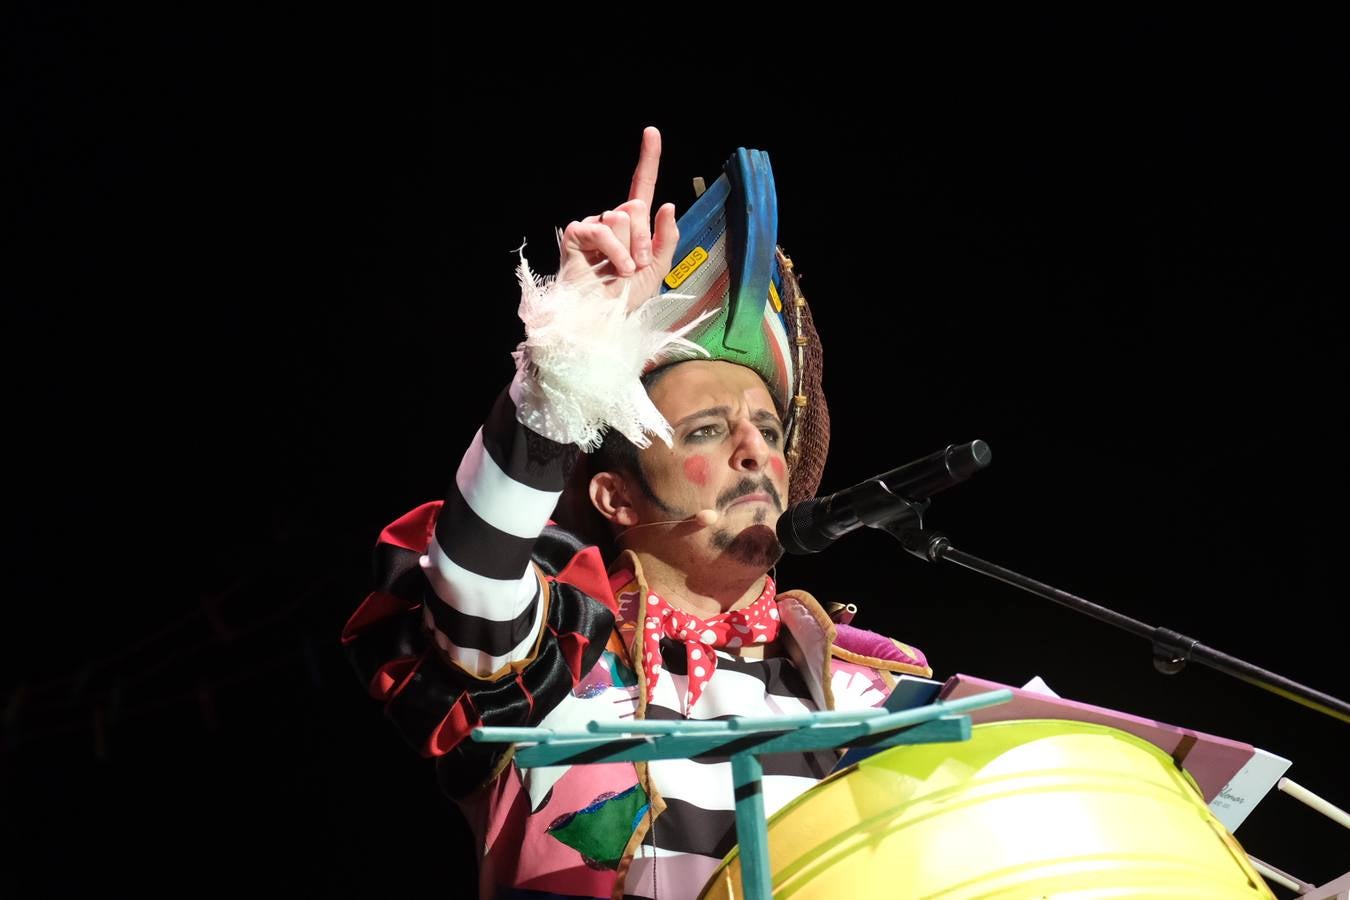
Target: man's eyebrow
[
  {"x": 767, "y": 415},
  {"x": 759, "y": 415},
  {"x": 710, "y": 411}
]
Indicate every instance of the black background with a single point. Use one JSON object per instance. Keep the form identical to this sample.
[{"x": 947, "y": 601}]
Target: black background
[{"x": 263, "y": 293}]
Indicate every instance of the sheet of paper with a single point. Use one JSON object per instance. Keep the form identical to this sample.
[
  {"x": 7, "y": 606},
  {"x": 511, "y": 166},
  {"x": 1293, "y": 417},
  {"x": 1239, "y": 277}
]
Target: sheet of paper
[
  {"x": 1246, "y": 789},
  {"x": 1037, "y": 685}
]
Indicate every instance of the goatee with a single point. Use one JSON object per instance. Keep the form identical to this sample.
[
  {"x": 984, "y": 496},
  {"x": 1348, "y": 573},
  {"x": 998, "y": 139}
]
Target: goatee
[{"x": 754, "y": 546}]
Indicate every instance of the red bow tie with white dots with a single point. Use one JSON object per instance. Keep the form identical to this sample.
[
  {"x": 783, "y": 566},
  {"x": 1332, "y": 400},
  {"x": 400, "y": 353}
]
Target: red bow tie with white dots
[{"x": 753, "y": 624}]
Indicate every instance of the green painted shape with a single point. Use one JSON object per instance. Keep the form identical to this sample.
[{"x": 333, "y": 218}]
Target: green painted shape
[{"x": 602, "y": 833}]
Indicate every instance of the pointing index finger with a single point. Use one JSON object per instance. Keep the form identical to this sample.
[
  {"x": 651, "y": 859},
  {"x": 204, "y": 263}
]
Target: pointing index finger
[{"x": 649, "y": 160}]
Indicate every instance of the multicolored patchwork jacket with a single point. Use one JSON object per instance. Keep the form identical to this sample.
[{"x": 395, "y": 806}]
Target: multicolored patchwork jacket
[{"x": 454, "y": 636}]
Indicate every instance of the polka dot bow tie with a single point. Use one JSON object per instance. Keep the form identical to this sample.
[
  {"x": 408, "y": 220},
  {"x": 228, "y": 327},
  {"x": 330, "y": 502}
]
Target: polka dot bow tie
[{"x": 754, "y": 624}]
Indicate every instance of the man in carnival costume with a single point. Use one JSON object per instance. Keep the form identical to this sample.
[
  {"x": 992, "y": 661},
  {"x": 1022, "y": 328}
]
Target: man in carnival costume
[{"x": 553, "y": 588}]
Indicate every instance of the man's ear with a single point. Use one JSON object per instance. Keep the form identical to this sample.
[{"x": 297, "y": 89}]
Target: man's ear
[{"x": 612, "y": 495}]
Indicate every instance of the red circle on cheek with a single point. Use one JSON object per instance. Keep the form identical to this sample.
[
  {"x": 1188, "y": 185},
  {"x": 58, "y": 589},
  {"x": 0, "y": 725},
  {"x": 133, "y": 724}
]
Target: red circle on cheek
[
  {"x": 776, "y": 467},
  {"x": 696, "y": 470}
]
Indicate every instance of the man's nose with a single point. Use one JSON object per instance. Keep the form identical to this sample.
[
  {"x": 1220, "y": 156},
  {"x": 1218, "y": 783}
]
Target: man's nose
[{"x": 751, "y": 453}]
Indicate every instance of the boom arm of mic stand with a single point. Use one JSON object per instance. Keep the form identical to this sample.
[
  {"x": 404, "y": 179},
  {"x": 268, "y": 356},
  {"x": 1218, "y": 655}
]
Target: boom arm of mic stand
[{"x": 1171, "y": 650}]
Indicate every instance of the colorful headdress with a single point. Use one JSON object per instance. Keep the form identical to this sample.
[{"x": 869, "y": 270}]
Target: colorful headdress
[
  {"x": 728, "y": 266},
  {"x": 735, "y": 292}
]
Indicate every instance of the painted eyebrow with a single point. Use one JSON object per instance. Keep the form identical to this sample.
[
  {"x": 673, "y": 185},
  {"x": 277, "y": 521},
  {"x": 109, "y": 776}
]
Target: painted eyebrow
[
  {"x": 764, "y": 415},
  {"x": 759, "y": 415},
  {"x": 710, "y": 411}
]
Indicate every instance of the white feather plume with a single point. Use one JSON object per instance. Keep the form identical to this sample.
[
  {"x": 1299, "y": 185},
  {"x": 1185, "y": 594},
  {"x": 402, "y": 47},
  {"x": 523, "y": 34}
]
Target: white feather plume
[{"x": 583, "y": 356}]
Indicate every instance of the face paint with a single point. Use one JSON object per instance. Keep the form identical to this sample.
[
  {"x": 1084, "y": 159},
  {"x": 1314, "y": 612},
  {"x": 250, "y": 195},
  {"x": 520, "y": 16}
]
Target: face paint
[
  {"x": 696, "y": 470},
  {"x": 776, "y": 466}
]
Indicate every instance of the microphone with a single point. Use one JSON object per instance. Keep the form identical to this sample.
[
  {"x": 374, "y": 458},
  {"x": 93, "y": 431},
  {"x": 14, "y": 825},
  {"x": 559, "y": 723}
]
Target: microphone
[{"x": 810, "y": 526}]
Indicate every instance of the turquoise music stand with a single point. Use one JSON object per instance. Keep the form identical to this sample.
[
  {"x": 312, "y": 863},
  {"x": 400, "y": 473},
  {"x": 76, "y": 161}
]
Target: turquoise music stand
[{"x": 744, "y": 740}]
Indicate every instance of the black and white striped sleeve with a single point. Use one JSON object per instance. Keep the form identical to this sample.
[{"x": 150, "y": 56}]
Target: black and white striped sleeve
[{"x": 478, "y": 565}]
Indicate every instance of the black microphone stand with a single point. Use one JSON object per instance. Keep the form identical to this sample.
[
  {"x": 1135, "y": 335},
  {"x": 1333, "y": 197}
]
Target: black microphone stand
[{"x": 1171, "y": 650}]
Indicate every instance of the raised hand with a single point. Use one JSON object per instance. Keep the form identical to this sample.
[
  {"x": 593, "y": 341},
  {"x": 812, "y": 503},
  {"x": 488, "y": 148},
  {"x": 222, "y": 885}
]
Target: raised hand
[{"x": 620, "y": 245}]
